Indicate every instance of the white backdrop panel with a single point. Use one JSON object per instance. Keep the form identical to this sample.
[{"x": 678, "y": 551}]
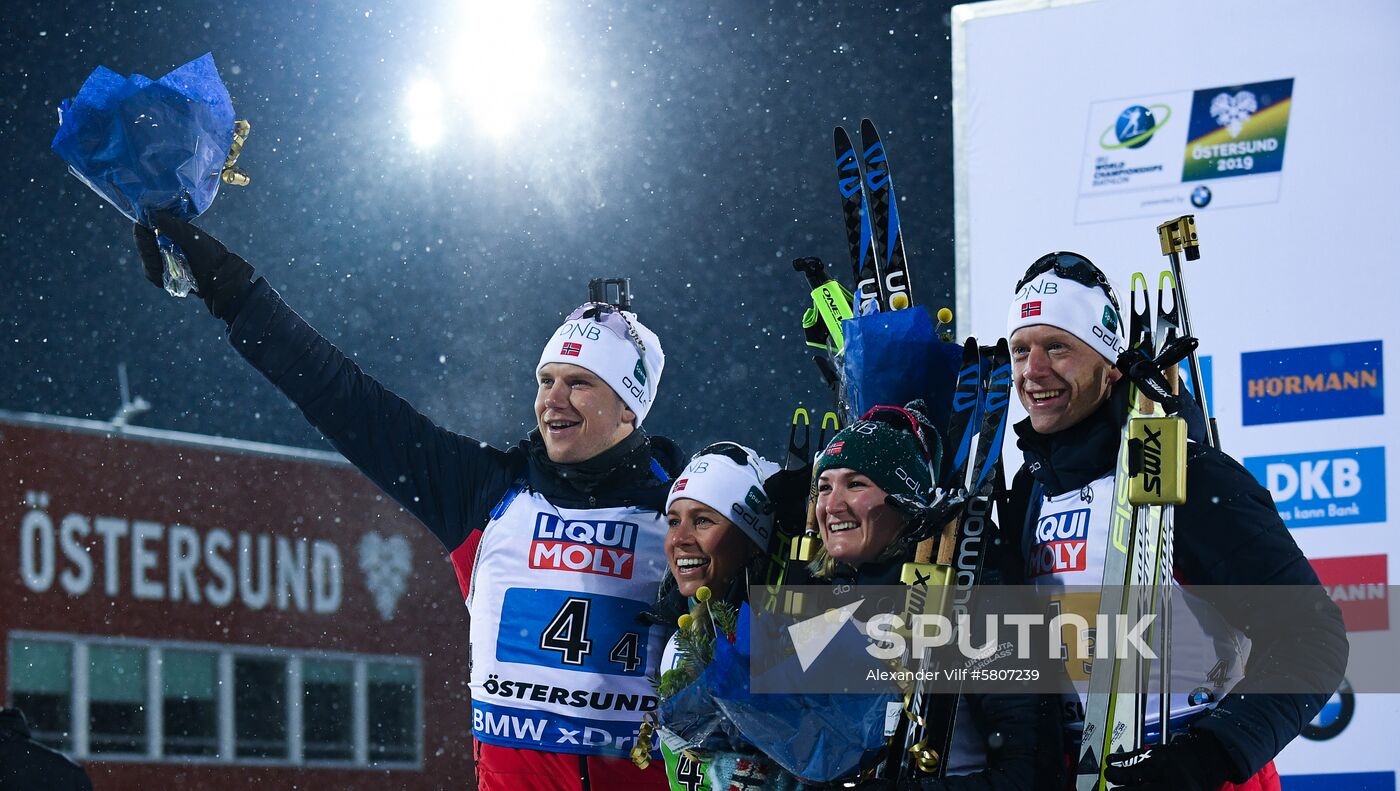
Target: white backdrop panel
[{"x": 1296, "y": 242}]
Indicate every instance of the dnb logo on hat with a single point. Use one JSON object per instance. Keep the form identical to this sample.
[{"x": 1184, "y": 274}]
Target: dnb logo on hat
[
  {"x": 640, "y": 372},
  {"x": 1030, "y": 309},
  {"x": 571, "y": 349}
]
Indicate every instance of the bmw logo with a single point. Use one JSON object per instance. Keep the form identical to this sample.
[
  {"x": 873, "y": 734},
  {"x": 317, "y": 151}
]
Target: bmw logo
[
  {"x": 1135, "y": 126},
  {"x": 1334, "y": 717},
  {"x": 1200, "y": 197}
]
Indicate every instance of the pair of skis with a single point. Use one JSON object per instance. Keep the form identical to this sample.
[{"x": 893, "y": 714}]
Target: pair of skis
[
  {"x": 952, "y": 534},
  {"x": 871, "y": 212},
  {"x": 1150, "y": 480}
]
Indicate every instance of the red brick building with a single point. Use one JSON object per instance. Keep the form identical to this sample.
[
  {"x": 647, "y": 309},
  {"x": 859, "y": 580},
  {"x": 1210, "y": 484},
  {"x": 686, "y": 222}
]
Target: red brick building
[{"x": 182, "y": 611}]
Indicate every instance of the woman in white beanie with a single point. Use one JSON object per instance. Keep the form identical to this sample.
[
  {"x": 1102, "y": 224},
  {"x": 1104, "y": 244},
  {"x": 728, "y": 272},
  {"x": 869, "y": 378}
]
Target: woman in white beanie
[{"x": 720, "y": 520}]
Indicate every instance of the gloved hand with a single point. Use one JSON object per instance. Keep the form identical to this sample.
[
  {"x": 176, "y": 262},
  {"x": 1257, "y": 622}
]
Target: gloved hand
[
  {"x": 221, "y": 278},
  {"x": 927, "y": 515},
  {"x": 787, "y": 490},
  {"x": 1193, "y": 761}
]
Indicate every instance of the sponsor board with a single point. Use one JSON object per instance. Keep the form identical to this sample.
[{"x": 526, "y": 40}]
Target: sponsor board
[
  {"x": 1334, "y": 716},
  {"x": 1207, "y": 377},
  {"x": 1332, "y": 487},
  {"x": 1344, "y": 781},
  {"x": 1312, "y": 383},
  {"x": 1133, "y": 164},
  {"x": 1358, "y": 585}
]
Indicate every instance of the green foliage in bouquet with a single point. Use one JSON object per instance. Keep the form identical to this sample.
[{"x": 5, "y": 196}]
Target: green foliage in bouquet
[{"x": 695, "y": 641}]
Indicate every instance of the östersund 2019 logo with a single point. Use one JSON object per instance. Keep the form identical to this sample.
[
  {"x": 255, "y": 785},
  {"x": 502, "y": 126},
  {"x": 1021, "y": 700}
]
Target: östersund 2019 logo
[
  {"x": 1135, "y": 126},
  {"x": 1237, "y": 130}
]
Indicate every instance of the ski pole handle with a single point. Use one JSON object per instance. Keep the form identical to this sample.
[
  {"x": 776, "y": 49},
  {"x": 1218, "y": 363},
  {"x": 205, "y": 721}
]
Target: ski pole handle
[{"x": 1178, "y": 237}]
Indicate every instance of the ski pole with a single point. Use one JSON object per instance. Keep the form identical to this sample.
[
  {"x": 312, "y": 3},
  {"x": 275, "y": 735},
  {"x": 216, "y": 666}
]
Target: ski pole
[{"x": 1178, "y": 237}]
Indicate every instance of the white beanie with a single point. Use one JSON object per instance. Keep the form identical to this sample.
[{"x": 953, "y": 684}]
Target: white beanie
[
  {"x": 733, "y": 489},
  {"x": 616, "y": 347},
  {"x": 1083, "y": 311}
]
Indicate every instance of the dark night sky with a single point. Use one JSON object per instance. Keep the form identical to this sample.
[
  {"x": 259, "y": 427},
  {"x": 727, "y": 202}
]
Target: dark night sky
[{"x": 688, "y": 148}]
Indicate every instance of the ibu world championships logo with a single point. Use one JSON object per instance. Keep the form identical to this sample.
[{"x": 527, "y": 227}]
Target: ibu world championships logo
[{"x": 1135, "y": 126}]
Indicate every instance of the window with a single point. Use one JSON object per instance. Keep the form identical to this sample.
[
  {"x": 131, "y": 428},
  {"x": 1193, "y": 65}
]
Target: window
[
  {"x": 181, "y": 701},
  {"x": 116, "y": 699},
  {"x": 260, "y": 707},
  {"x": 328, "y": 710},
  {"x": 189, "y": 691},
  {"x": 41, "y": 685},
  {"x": 393, "y": 713}
]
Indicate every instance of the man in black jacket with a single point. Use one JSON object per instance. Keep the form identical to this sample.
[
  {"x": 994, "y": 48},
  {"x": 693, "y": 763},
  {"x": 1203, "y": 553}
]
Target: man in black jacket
[
  {"x": 26, "y": 764},
  {"x": 556, "y": 542},
  {"x": 1066, "y": 331}
]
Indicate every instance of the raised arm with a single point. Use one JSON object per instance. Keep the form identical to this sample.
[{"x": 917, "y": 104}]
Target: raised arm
[{"x": 448, "y": 481}]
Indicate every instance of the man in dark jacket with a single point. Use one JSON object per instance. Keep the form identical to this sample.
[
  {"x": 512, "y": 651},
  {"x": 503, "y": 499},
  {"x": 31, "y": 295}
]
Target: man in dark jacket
[
  {"x": 1066, "y": 331},
  {"x": 26, "y": 764},
  {"x": 556, "y": 542}
]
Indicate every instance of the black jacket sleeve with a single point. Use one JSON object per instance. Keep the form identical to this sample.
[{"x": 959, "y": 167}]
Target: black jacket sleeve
[
  {"x": 1229, "y": 534},
  {"x": 448, "y": 481}
]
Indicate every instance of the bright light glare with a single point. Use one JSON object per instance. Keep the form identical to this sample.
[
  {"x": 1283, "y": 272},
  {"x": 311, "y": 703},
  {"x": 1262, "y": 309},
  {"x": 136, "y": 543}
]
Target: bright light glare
[
  {"x": 500, "y": 67},
  {"x": 424, "y": 107}
]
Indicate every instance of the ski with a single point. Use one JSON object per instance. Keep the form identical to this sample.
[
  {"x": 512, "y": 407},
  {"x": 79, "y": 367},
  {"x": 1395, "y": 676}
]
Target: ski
[
  {"x": 1101, "y": 706},
  {"x": 1149, "y": 480},
  {"x": 884, "y": 221},
  {"x": 869, "y": 296},
  {"x": 981, "y": 398}
]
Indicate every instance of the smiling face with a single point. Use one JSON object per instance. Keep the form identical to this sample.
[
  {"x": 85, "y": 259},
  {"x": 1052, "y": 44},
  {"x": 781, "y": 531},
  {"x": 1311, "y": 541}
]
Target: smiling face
[
  {"x": 578, "y": 415},
  {"x": 703, "y": 547},
  {"x": 856, "y": 524},
  {"x": 1059, "y": 378}
]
